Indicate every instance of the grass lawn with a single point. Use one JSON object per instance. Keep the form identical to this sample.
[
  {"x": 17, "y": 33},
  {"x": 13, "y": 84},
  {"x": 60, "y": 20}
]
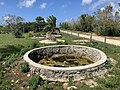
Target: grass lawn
[
  {"x": 9, "y": 39},
  {"x": 105, "y": 83}
]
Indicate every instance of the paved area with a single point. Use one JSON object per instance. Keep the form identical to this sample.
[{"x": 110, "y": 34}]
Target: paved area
[{"x": 109, "y": 40}]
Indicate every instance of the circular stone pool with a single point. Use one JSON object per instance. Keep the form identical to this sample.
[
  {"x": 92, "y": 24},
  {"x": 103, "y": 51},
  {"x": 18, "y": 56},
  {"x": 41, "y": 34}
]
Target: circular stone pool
[{"x": 78, "y": 72}]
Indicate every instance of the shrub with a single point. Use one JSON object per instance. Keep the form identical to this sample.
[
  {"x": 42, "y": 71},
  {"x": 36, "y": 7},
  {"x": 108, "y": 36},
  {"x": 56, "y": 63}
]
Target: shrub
[
  {"x": 45, "y": 86},
  {"x": 30, "y": 34},
  {"x": 10, "y": 59},
  {"x": 24, "y": 67},
  {"x": 107, "y": 28},
  {"x": 18, "y": 48},
  {"x": 33, "y": 45},
  {"x": 60, "y": 42},
  {"x": 17, "y": 34},
  {"x": 35, "y": 81},
  {"x": 23, "y": 50},
  {"x": 70, "y": 82}
]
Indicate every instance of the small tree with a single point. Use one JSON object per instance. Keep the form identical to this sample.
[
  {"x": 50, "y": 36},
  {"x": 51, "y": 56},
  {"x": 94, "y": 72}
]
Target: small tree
[
  {"x": 64, "y": 25},
  {"x": 51, "y": 20},
  {"x": 12, "y": 22}
]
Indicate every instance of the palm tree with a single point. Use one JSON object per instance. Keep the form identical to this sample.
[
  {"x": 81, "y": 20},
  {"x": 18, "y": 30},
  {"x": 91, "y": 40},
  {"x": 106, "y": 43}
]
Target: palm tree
[{"x": 51, "y": 20}]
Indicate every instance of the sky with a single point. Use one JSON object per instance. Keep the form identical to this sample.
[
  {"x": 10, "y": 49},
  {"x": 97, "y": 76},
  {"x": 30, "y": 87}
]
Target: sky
[{"x": 64, "y": 10}]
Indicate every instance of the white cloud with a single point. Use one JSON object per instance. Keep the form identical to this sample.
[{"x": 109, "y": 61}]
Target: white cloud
[
  {"x": 98, "y": 3},
  {"x": 43, "y": 5},
  {"x": 26, "y": 3},
  {"x": 2, "y": 3},
  {"x": 86, "y": 2},
  {"x": 113, "y": 3}
]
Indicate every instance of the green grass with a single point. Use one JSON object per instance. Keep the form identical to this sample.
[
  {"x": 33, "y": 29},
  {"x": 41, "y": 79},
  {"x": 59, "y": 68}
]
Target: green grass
[
  {"x": 69, "y": 38},
  {"x": 9, "y": 39},
  {"x": 112, "y": 51}
]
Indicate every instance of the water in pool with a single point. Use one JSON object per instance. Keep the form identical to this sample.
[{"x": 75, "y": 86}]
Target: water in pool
[{"x": 63, "y": 60}]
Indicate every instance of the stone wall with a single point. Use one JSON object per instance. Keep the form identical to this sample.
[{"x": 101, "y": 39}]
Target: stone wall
[{"x": 62, "y": 73}]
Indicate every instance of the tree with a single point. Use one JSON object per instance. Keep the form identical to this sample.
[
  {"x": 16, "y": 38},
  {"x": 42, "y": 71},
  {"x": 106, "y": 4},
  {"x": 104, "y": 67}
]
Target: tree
[
  {"x": 51, "y": 20},
  {"x": 64, "y": 25},
  {"x": 86, "y": 22},
  {"x": 107, "y": 22},
  {"x": 104, "y": 14},
  {"x": 39, "y": 19},
  {"x": 40, "y": 23},
  {"x": 12, "y": 21},
  {"x": 117, "y": 16}
]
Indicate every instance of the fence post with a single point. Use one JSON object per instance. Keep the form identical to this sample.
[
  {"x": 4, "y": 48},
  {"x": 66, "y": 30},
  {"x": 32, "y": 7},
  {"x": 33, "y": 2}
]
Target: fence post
[
  {"x": 78, "y": 34},
  {"x": 105, "y": 42},
  {"x": 90, "y": 37}
]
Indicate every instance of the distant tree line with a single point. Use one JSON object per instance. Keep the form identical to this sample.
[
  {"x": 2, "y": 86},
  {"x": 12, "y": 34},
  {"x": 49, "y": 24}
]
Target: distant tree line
[
  {"x": 104, "y": 22},
  {"x": 17, "y": 26}
]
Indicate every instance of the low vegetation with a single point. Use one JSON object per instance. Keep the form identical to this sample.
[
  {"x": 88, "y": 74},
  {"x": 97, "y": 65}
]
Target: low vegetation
[
  {"x": 24, "y": 67},
  {"x": 11, "y": 59}
]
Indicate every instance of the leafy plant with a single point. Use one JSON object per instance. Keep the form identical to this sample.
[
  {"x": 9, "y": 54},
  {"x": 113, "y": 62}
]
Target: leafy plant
[
  {"x": 60, "y": 42},
  {"x": 18, "y": 34},
  {"x": 24, "y": 67},
  {"x": 70, "y": 82},
  {"x": 10, "y": 59},
  {"x": 35, "y": 81},
  {"x": 30, "y": 34}
]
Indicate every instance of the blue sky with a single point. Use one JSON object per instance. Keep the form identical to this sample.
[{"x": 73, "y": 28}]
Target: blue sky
[{"x": 62, "y": 9}]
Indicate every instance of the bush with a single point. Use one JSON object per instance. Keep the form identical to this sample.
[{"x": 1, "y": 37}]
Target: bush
[
  {"x": 60, "y": 42},
  {"x": 23, "y": 50},
  {"x": 10, "y": 59},
  {"x": 17, "y": 34},
  {"x": 33, "y": 45},
  {"x": 35, "y": 81},
  {"x": 24, "y": 67},
  {"x": 30, "y": 34},
  {"x": 18, "y": 48},
  {"x": 70, "y": 82},
  {"x": 107, "y": 28}
]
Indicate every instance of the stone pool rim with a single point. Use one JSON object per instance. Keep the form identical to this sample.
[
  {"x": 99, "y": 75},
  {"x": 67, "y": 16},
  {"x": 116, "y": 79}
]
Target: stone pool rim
[{"x": 40, "y": 66}]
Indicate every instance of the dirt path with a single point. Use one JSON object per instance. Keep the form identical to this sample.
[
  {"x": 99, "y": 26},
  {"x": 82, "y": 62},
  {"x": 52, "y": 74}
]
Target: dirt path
[{"x": 109, "y": 40}]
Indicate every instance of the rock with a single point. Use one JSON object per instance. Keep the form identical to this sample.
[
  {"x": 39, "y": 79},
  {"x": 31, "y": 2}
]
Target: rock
[
  {"x": 28, "y": 87},
  {"x": 28, "y": 75},
  {"x": 72, "y": 88},
  {"x": 110, "y": 75},
  {"x": 65, "y": 86},
  {"x": 113, "y": 62},
  {"x": 12, "y": 84},
  {"x": 12, "y": 81},
  {"x": 21, "y": 87},
  {"x": 92, "y": 86},
  {"x": 4, "y": 71},
  {"x": 90, "y": 83},
  {"x": 14, "y": 73},
  {"x": 37, "y": 73},
  {"x": 3, "y": 63}
]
